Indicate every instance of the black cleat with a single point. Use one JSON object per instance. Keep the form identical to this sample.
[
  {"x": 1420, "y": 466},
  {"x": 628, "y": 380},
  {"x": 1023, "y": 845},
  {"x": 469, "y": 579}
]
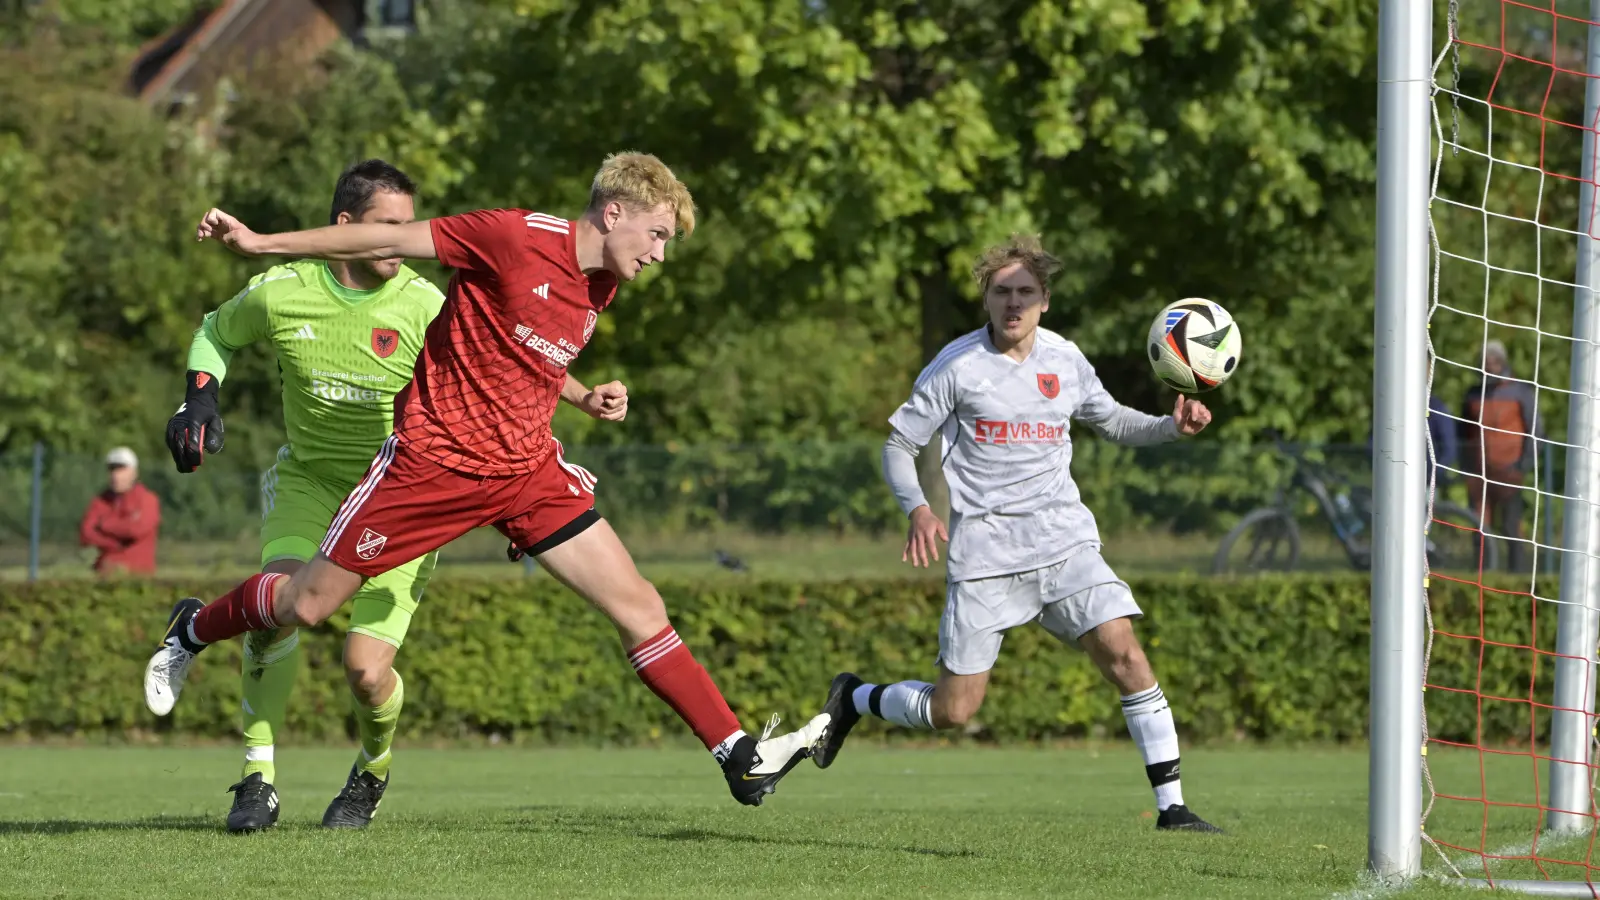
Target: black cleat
[
  {"x": 1180, "y": 818},
  {"x": 841, "y": 710},
  {"x": 754, "y": 768},
  {"x": 357, "y": 803},
  {"x": 255, "y": 805}
]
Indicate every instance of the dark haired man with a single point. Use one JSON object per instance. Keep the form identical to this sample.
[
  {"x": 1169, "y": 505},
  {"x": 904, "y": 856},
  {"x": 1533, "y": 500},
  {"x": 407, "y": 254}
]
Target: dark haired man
[{"x": 347, "y": 335}]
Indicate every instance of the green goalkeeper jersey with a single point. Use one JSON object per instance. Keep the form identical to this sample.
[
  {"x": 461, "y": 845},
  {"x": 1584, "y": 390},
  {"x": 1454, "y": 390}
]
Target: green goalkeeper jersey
[{"x": 343, "y": 355}]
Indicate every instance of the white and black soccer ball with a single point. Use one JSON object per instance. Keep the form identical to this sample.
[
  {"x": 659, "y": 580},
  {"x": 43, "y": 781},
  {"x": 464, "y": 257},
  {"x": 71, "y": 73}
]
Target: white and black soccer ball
[{"x": 1194, "y": 345}]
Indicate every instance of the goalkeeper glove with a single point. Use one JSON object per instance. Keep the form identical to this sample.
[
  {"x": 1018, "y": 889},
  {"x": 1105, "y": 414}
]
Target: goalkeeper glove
[{"x": 195, "y": 429}]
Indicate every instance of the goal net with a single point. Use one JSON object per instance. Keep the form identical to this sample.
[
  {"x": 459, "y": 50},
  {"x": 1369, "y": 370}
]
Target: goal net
[{"x": 1509, "y": 683}]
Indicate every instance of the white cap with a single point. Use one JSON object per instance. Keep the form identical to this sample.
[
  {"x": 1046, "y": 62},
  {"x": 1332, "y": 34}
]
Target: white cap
[{"x": 122, "y": 456}]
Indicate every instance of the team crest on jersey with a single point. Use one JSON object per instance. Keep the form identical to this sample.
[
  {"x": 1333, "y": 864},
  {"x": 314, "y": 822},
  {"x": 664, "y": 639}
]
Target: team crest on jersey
[
  {"x": 370, "y": 544},
  {"x": 588, "y": 326},
  {"x": 1050, "y": 386},
  {"x": 384, "y": 341}
]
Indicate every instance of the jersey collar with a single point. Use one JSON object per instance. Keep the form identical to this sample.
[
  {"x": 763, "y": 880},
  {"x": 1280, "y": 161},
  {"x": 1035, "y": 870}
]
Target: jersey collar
[
  {"x": 988, "y": 342},
  {"x": 351, "y": 296}
]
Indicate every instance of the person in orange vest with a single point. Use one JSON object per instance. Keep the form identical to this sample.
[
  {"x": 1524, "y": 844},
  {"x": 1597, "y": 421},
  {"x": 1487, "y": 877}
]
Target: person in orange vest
[
  {"x": 1497, "y": 449},
  {"x": 122, "y": 520}
]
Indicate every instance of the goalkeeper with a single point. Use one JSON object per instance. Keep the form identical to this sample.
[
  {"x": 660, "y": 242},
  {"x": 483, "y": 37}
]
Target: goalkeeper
[{"x": 347, "y": 335}]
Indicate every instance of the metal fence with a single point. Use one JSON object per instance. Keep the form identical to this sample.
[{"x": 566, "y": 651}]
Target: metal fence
[{"x": 810, "y": 506}]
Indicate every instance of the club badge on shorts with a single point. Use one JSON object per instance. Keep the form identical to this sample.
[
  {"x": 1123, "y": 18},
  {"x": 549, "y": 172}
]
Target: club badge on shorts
[
  {"x": 384, "y": 340},
  {"x": 370, "y": 544},
  {"x": 1050, "y": 386}
]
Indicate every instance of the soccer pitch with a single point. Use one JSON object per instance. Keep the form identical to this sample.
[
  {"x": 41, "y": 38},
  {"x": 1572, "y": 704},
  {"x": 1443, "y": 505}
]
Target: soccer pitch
[{"x": 960, "y": 822}]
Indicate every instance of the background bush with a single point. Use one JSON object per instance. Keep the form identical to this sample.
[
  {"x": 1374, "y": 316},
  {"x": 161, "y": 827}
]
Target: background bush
[{"x": 1267, "y": 658}]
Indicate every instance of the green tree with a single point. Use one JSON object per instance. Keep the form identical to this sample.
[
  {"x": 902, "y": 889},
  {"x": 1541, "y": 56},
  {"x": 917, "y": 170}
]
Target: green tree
[{"x": 851, "y": 157}]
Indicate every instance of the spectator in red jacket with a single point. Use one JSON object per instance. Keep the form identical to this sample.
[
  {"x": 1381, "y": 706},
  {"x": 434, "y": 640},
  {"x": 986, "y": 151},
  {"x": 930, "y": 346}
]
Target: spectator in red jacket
[{"x": 121, "y": 522}]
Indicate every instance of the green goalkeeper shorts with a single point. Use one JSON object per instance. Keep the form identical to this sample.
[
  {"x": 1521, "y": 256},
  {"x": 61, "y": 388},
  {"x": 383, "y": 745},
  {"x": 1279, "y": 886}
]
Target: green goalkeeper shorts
[{"x": 296, "y": 507}]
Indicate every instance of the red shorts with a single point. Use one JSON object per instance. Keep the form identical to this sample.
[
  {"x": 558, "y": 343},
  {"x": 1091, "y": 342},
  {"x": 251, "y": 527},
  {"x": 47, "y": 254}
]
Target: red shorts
[{"x": 408, "y": 505}]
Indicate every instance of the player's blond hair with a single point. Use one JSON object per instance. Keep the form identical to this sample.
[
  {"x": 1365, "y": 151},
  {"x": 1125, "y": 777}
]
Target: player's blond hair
[
  {"x": 639, "y": 181},
  {"x": 1019, "y": 248}
]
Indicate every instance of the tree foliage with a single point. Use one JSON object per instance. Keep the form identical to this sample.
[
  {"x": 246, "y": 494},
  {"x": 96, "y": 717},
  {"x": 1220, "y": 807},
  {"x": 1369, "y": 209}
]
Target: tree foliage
[{"x": 849, "y": 158}]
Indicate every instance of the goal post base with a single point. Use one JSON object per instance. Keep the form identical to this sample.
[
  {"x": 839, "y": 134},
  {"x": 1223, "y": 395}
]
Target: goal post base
[{"x": 1529, "y": 886}]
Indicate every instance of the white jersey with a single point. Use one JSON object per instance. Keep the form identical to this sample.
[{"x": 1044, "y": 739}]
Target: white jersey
[{"x": 1006, "y": 450}]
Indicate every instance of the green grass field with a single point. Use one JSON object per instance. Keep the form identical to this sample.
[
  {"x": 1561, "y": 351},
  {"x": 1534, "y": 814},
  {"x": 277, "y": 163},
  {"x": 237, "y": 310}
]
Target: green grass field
[{"x": 502, "y": 822}]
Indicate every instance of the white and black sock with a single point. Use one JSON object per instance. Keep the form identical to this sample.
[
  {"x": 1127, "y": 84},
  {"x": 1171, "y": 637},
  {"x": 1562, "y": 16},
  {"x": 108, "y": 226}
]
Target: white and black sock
[
  {"x": 905, "y": 703},
  {"x": 1150, "y": 725}
]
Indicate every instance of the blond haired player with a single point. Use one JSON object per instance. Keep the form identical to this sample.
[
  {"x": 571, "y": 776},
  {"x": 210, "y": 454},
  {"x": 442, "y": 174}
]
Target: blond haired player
[
  {"x": 1023, "y": 547},
  {"x": 472, "y": 443}
]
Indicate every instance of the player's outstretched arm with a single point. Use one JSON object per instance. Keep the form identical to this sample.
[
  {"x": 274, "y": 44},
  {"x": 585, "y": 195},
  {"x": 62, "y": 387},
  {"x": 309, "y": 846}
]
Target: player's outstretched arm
[
  {"x": 413, "y": 240},
  {"x": 1121, "y": 424}
]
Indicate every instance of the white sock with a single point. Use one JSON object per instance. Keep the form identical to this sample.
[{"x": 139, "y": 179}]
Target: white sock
[
  {"x": 1150, "y": 725},
  {"x": 725, "y": 749},
  {"x": 905, "y": 703}
]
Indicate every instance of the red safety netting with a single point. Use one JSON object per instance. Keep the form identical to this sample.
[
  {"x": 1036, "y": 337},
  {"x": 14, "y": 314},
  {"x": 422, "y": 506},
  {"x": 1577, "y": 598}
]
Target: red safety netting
[{"x": 1509, "y": 125}]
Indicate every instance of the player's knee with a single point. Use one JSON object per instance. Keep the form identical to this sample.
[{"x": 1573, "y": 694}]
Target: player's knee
[
  {"x": 368, "y": 682},
  {"x": 306, "y": 608},
  {"x": 641, "y": 613},
  {"x": 1130, "y": 669}
]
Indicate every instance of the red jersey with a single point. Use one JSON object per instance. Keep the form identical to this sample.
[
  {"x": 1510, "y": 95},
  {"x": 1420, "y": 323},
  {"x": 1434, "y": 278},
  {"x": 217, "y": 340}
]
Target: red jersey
[{"x": 491, "y": 371}]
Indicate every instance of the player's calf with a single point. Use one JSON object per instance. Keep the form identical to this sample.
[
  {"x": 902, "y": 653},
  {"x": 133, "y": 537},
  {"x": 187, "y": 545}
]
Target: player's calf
[
  {"x": 1115, "y": 649},
  {"x": 266, "y": 601}
]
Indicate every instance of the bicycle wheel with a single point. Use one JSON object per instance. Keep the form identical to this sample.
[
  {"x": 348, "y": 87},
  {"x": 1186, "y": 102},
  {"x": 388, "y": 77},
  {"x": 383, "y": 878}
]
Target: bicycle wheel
[
  {"x": 1266, "y": 540},
  {"x": 1456, "y": 541}
]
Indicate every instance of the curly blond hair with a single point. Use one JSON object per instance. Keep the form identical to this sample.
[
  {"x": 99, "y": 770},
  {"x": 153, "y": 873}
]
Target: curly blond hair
[
  {"x": 1026, "y": 249},
  {"x": 640, "y": 181}
]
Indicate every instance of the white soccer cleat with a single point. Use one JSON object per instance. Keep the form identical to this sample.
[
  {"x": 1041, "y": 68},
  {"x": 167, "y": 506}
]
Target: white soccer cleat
[
  {"x": 777, "y": 754},
  {"x": 168, "y": 668},
  {"x": 164, "y": 675},
  {"x": 757, "y": 765}
]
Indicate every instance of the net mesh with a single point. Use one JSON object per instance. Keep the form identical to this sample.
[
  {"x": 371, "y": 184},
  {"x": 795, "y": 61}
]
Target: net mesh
[{"x": 1508, "y": 119}]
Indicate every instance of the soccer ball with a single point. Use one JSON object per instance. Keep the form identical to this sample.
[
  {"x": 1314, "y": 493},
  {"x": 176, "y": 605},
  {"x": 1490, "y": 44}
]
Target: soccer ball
[{"x": 1194, "y": 345}]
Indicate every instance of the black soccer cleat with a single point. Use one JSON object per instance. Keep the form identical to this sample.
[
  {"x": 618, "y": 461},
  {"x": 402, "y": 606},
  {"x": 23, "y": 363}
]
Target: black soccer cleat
[
  {"x": 841, "y": 710},
  {"x": 357, "y": 803},
  {"x": 754, "y": 768},
  {"x": 1181, "y": 818},
  {"x": 255, "y": 805}
]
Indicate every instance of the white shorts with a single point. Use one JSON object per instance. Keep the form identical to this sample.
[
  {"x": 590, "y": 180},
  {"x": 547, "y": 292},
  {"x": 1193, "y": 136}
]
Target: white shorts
[{"x": 1069, "y": 599}]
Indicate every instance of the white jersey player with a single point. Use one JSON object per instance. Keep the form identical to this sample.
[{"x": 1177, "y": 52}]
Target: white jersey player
[{"x": 1022, "y": 546}]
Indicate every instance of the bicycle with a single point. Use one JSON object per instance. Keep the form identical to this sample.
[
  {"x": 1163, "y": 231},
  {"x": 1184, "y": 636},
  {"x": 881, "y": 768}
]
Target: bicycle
[{"x": 1455, "y": 539}]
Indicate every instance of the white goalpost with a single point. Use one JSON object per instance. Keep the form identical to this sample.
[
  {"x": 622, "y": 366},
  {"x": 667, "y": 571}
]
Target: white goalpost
[
  {"x": 1394, "y": 844},
  {"x": 1482, "y": 713}
]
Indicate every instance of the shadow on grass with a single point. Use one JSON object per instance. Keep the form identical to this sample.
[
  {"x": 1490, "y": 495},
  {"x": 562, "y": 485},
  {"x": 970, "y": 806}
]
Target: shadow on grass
[
  {"x": 77, "y": 826},
  {"x": 648, "y": 827}
]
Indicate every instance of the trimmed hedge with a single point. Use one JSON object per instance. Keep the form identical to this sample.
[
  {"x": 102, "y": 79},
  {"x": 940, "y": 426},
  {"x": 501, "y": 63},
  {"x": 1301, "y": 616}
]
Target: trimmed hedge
[{"x": 1270, "y": 658}]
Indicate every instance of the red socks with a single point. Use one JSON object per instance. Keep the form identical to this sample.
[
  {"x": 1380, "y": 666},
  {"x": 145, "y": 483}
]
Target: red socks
[
  {"x": 247, "y": 607},
  {"x": 667, "y": 667}
]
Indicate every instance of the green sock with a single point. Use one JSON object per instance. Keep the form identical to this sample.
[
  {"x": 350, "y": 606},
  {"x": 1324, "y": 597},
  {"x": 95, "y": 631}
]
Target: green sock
[
  {"x": 377, "y": 724},
  {"x": 268, "y": 672}
]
